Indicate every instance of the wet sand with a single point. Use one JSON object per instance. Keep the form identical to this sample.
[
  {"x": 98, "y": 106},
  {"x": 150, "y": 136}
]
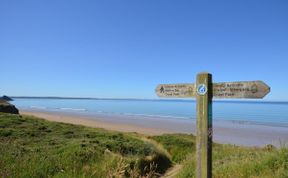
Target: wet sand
[{"x": 237, "y": 133}]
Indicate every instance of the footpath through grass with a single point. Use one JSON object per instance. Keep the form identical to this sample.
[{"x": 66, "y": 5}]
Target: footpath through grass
[
  {"x": 228, "y": 160},
  {"x": 33, "y": 147}
]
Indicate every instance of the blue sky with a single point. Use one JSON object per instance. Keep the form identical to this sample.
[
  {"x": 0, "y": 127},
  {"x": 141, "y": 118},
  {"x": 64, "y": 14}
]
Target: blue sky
[{"x": 123, "y": 49}]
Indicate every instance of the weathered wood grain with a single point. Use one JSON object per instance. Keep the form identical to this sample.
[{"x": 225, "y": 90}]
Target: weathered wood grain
[{"x": 204, "y": 129}]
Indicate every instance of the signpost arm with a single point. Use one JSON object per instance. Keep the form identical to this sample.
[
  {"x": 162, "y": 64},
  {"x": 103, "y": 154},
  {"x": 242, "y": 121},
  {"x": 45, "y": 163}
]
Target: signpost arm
[
  {"x": 204, "y": 126},
  {"x": 204, "y": 93}
]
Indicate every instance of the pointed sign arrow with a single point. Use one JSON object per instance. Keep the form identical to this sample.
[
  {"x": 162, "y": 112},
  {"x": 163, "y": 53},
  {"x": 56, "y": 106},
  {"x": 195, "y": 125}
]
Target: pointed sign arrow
[
  {"x": 251, "y": 89},
  {"x": 176, "y": 90}
]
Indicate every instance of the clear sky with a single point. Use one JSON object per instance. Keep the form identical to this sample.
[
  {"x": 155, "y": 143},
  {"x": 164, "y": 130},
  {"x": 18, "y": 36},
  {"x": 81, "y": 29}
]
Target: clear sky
[{"x": 123, "y": 49}]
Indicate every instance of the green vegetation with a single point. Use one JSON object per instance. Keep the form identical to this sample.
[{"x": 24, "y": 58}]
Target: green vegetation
[
  {"x": 32, "y": 147},
  {"x": 177, "y": 145},
  {"x": 228, "y": 160},
  {"x": 3, "y": 102}
]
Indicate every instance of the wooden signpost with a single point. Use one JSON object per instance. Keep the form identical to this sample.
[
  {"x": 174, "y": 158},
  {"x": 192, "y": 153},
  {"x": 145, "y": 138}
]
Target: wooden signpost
[{"x": 204, "y": 90}]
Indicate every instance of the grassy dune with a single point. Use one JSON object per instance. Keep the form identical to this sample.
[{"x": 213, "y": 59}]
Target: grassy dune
[{"x": 32, "y": 147}]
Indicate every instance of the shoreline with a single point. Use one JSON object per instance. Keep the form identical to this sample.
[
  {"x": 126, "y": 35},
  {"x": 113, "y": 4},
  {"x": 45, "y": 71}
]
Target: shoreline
[
  {"x": 223, "y": 132},
  {"x": 94, "y": 122}
]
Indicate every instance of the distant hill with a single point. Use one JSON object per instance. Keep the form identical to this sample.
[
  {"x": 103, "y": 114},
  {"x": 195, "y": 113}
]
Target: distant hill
[{"x": 6, "y": 98}]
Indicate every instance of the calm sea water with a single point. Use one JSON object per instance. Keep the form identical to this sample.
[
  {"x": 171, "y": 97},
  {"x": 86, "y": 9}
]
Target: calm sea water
[{"x": 275, "y": 113}]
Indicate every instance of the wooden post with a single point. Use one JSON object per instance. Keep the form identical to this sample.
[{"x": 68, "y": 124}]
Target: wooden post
[
  {"x": 204, "y": 125},
  {"x": 204, "y": 90}
]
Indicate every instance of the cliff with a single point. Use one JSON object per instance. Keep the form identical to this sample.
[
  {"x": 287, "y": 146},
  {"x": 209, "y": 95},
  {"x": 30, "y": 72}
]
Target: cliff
[{"x": 7, "y": 107}]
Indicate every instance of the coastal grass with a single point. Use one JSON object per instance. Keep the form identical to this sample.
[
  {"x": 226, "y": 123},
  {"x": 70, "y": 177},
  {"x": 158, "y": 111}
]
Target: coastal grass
[
  {"x": 33, "y": 147},
  {"x": 228, "y": 160}
]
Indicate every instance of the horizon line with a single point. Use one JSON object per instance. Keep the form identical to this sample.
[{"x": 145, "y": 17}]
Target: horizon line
[{"x": 151, "y": 99}]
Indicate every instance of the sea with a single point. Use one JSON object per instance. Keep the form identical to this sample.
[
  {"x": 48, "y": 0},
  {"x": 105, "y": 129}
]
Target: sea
[{"x": 249, "y": 112}]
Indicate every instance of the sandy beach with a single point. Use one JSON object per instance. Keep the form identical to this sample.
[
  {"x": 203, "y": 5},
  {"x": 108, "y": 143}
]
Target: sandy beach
[{"x": 223, "y": 132}]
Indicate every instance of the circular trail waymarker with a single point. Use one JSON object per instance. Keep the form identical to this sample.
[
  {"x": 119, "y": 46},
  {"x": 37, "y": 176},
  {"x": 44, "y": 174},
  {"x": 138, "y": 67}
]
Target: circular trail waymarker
[{"x": 202, "y": 89}]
